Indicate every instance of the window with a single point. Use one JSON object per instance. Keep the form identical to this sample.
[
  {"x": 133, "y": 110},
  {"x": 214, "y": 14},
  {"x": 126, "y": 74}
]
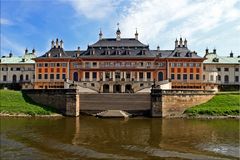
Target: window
[
  {"x": 27, "y": 77},
  {"x": 39, "y": 64},
  {"x": 236, "y": 69},
  {"x": 46, "y": 65},
  {"x": 191, "y": 64},
  {"x": 128, "y": 75},
  {"x": 141, "y": 75},
  {"x": 94, "y": 64},
  {"x": 45, "y": 70},
  {"x": 173, "y": 65},
  {"x": 198, "y": 65},
  {"x": 64, "y": 64},
  {"x": 211, "y": 78},
  {"x": 4, "y": 78},
  {"x": 58, "y": 64},
  {"x": 236, "y": 79},
  {"x": 148, "y": 75},
  {"x": 197, "y": 77},
  {"x": 184, "y": 76},
  {"x": 117, "y": 75},
  {"x": 219, "y": 78},
  {"x": 185, "y": 70},
  {"x": 39, "y": 70},
  {"x": 172, "y": 76},
  {"x": 226, "y": 69},
  {"x": 179, "y": 76},
  {"x": 64, "y": 70},
  {"x": 87, "y": 65},
  {"x": 63, "y": 76},
  {"x": 219, "y": 69},
  {"x": 18, "y": 69},
  {"x": 191, "y": 70},
  {"x": 87, "y": 75},
  {"x": 57, "y": 76},
  {"x": 58, "y": 69},
  {"x": 191, "y": 76},
  {"x": 184, "y": 64},
  {"x": 94, "y": 74},
  {"x": 148, "y": 64},
  {"x": 197, "y": 70},
  {"x": 226, "y": 79},
  {"x": 39, "y": 76},
  {"x": 107, "y": 75},
  {"x": 172, "y": 69},
  {"x": 45, "y": 76},
  {"x": 179, "y": 64},
  {"x": 51, "y": 76},
  {"x": 51, "y": 64},
  {"x": 141, "y": 64},
  {"x": 179, "y": 70},
  {"x": 52, "y": 69},
  {"x": 161, "y": 64}
]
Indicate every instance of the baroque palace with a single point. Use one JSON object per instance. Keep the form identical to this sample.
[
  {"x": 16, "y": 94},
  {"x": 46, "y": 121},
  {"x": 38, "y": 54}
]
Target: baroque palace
[{"x": 121, "y": 65}]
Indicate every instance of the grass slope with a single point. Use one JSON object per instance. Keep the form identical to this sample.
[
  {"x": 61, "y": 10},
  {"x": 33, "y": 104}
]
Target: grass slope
[
  {"x": 220, "y": 105},
  {"x": 14, "y": 102}
]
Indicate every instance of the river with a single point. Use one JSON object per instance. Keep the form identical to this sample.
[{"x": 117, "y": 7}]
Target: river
[{"x": 88, "y": 138}]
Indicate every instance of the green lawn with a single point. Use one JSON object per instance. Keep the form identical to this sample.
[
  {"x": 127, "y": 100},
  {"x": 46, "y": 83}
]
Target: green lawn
[
  {"x": 14, "y": 102},
  {"x": 226, "y": 103}
]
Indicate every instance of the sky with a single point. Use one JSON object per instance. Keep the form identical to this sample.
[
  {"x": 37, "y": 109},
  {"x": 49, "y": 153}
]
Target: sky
[{"x": 204, "y": 23}]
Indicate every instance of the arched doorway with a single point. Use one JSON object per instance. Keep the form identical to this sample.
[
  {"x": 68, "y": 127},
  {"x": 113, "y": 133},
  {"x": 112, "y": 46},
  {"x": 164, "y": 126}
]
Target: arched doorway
[
  {"x": 105, "y": 88},
  {"x": 128, "y": 88},
  {"x": 14, "y": 78},
  {"x": 116, "y": 88},
  {"x": 75, "y": 76},
  {"x": 160, "y": 76}
]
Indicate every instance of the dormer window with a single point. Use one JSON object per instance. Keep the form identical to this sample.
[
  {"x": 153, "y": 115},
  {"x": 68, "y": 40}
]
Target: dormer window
[{"x": 215, "y": 60}]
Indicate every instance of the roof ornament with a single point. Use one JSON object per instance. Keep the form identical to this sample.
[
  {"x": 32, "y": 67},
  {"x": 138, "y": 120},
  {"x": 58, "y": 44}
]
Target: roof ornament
[
  {"x": 136, "y": 35},
  {"x": 26, "y": 51},
  {"x": 100, "y": 34},
  {"x": 118, "y": 33}
]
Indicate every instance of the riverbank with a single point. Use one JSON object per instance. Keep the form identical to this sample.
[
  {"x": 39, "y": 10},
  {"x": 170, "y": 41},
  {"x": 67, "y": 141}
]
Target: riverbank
[
  {"x": 15, "y": 103},
  {"x": 223, "y": 104}
]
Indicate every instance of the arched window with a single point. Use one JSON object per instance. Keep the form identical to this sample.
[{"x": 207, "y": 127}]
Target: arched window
[
  {"x": 105, "y": 88},
  {"x": 27, "y": 77},
  {"x": 226, "y": 79},
  {"x": 160, "y": 76}
]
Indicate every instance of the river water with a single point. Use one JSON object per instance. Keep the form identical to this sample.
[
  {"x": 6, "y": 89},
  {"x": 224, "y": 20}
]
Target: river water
[{"x": 138, "y": 138}]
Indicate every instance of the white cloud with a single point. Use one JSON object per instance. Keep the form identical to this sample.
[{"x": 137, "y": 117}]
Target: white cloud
[
  {"x": 4, "y": 21},
  {"x": 158, "y": 19},
  {"x": 15, "y": 47},
  {"x": 94, "y": 9}
]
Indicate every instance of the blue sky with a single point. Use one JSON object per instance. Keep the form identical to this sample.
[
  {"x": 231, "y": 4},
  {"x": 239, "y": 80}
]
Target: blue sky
[{"x": 205, "y": 23}]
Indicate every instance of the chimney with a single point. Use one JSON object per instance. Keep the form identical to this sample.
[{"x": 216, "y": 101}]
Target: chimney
[
  {"x": 181, "y": 42},
  {"x": 214, "y": 51},
  {"x": 100, "y": 34},
  {"x": 33, "y": 51},
  {"x": 10, "y": 54},
  {"x": 231, "y": 54},
  {"x": 176, "y": 43},
  {"x": 206, "y": 51},
  {"x": 158, "y": 48},
  {"x": 78, "y": 48},
  {"x": 57, "y": 43},
  {"x": 26, "y": 51},
  {"x": 136, "y": 35},
  {"x": 185, "y": 43},
  {"x": 61, "y": 44},
  {"x": 52, "y": 43}
]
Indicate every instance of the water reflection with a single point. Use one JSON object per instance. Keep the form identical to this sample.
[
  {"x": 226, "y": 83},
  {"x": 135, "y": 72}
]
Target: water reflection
[{"x": 142, "y": 138}]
